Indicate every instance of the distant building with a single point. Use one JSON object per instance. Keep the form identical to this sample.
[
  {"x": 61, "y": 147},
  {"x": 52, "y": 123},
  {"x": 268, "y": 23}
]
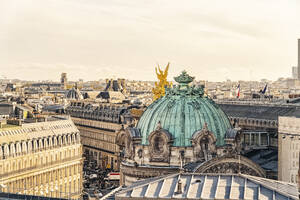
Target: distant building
[
  {"x": 298, "y": 59},
  {"x": 295, "y": 72},
  {"x": 115, "y": 85},
  {"x": 73, "y": 94},
  {"x": 42, "y": 158},
  {"x": 15, "y": 110},
  {"x": 114, "y": 91},
  {"x": 288, "y": 148},
  {"x": 259, "y": 128},
  {"x": 63, "y": 80}
]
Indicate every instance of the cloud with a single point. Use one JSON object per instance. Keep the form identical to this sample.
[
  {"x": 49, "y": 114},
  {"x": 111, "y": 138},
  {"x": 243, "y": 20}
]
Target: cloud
[{"x": 97, "y": 38}]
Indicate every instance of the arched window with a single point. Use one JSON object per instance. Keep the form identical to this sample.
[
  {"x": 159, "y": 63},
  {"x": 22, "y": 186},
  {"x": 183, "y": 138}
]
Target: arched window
[
  {"x": 158, "y": 144},
  {"x": 19, "y": 165},
  {"x": 1, "y": 152},
  {"x": 204, "y": 143}
]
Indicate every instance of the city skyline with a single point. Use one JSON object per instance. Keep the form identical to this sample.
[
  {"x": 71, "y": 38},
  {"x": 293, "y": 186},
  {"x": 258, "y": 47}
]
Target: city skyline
[{"x": 95, "y": 40}]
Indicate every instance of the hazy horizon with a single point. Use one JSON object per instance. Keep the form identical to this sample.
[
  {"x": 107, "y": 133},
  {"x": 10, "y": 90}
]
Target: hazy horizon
[{"x": 213, "y": 40}]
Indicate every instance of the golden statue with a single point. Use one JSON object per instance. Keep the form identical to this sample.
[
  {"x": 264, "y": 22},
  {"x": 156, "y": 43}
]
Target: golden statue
[{"x": 159, "y": 89}]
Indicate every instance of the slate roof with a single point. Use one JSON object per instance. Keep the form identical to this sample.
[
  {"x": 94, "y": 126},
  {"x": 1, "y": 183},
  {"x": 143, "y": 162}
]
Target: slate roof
[
  {"x": 266, "y": 158},
  {"x": 208, "y": 186},
  {"x": 113, "y": 85},
  {"x": 267, "y": 112},
  {"x": 74, "y": 93}
]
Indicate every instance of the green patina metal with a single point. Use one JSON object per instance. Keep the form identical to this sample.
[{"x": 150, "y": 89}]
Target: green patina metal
[{"x": 183, "y": 111}]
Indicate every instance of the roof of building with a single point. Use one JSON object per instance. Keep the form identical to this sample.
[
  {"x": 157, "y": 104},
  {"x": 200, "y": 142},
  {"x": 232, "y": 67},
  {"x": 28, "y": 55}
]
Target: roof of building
[
  {"x": 255, "y": 111},
  {"x": 6, "y": 108},
  {"x": 111, "y": 95},
  {"x": 266, "y": 158},
  {"x": 183, "y": 111},
  {"x": 53, "y": 126},
  {"x": 115, "y": 113},
  {"x": 74, "y": 93},
  {"x": 209, "y": 186},
  {"x": 113, "y": 85},
  {"x": 53, "y": 107}
]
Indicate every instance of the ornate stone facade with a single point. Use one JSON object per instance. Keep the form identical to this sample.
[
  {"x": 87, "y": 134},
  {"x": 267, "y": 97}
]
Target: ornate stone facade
[
  {"x": 231, "y": 164},
  {"x": 204, "y": 143},
  {"x": 43, "y": 158},
  {"x": 192, "y": 133}
]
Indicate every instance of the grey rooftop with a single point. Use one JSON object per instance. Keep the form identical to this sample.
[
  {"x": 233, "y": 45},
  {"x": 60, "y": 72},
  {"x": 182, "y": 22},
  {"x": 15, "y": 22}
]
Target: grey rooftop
[{"x": 209, "y": 186}]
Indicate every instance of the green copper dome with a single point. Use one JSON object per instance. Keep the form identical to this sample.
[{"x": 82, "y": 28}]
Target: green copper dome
[{"x": 182, "y": 112}]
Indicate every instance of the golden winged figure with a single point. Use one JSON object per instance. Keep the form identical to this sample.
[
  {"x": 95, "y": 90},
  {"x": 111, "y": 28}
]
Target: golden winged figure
[{"x": 159, "y": 89}]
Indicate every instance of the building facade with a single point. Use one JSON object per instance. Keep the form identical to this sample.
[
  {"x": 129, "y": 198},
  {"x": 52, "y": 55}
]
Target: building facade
[
  {"x": 288, "y": 149},
  {"x": 183, "y": 130},
  {"x": 259, "y": 123},
  {"x": 98, "y": 124},
  {"x": 43, "y": 159}
]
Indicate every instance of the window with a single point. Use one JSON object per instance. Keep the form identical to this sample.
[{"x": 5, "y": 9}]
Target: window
[
  {"x": 264, "y": 139},
  {"x": 158, "y": 144},
  {"x": 204, "y": 143}
]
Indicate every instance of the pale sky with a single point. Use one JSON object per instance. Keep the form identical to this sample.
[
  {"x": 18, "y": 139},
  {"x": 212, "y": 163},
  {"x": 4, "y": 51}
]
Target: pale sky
[{"x": 93, "y": 39}]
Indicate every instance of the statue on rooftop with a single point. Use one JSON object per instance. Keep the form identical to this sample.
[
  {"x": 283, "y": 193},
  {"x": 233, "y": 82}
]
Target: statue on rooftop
[{"x": 159, "y": 89}]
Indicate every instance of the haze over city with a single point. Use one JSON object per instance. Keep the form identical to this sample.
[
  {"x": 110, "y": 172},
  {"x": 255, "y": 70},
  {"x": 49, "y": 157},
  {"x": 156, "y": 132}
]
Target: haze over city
[{"x": 213, "y": 40}]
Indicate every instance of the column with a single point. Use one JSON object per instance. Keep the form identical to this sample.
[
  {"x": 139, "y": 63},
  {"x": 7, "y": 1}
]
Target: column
[{"x": 250, "y": 139}]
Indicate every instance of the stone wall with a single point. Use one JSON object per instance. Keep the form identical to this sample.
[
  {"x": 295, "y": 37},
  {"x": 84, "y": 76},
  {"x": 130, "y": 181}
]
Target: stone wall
[
  {"x": 288, "y": 149},
  {"x": 42, "y": 159}
]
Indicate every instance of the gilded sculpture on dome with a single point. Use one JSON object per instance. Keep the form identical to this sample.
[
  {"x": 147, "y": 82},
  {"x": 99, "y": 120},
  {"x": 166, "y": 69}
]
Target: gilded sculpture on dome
[{"x": 159, "y": 89}]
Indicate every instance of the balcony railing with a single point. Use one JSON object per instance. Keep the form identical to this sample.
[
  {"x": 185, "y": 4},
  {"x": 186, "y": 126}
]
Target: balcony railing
[{"x": 40, "y": 166}]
